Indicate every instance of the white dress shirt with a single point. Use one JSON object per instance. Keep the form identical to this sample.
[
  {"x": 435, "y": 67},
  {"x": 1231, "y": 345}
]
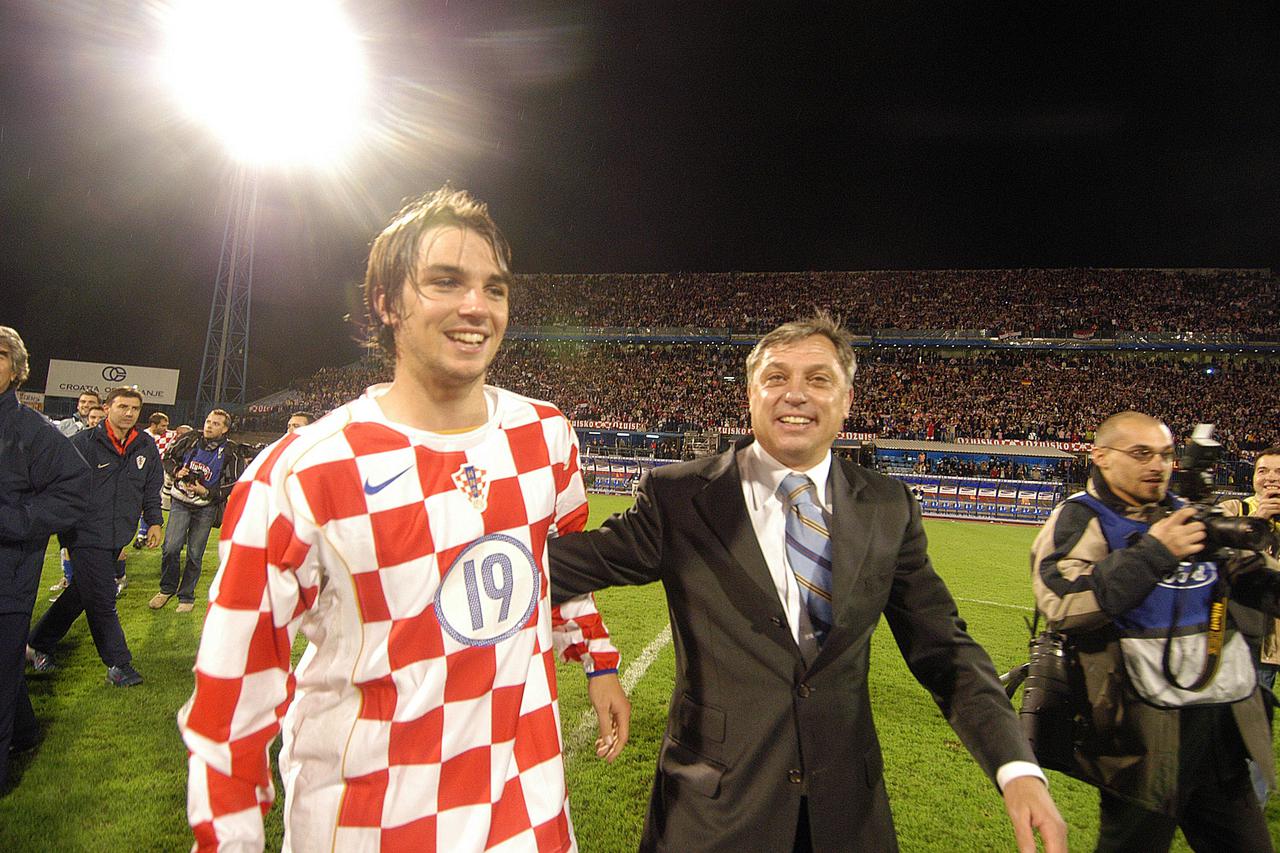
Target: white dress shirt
[{"x": 761, "y": 476}]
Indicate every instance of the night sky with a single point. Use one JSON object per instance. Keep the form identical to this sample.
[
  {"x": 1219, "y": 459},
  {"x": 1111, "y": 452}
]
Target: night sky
[{"x": 633, "y": 137}]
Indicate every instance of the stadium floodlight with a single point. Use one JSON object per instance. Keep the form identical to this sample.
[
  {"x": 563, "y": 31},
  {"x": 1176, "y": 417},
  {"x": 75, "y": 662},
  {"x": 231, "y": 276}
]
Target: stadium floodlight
[{"x": 280, "y": 81}]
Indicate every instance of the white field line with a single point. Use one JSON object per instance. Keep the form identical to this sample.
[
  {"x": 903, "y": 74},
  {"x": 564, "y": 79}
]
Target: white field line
[
  {"x": 585, "y": 732},
  {"x": 995, "y": 604}
]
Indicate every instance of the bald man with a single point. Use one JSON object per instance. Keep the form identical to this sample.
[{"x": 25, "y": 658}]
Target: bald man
[{"x": 1121, "y": 569}]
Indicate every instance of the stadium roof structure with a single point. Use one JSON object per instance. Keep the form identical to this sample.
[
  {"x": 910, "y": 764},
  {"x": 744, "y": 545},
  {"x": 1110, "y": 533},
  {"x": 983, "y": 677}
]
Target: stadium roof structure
[{"x": 1040, "y": 451}]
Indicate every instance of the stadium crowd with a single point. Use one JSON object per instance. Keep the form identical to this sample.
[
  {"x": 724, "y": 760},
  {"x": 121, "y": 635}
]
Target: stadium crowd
[
  {"x": 902, "y": 393},
  {"x": 1241, "y": 304}
]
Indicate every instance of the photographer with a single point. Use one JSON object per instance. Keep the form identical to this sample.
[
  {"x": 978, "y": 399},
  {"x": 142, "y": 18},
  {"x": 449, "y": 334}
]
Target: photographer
[
  {"x": 1265, "y": 504},
  {"x": 204, "y": 466},
  {"x": 1172, "y": 722}
]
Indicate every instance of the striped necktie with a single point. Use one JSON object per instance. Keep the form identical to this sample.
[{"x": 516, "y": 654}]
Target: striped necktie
[{"x": 808, "y": 550}]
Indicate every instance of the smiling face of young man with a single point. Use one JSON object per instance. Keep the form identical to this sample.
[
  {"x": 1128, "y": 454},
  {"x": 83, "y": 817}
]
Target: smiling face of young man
[
  {"x": 85, "y": 403},
  {"x": 799, "y": 398},
  {"x": 453, "y": 316},
  {"x": 1266, "y": 476}
]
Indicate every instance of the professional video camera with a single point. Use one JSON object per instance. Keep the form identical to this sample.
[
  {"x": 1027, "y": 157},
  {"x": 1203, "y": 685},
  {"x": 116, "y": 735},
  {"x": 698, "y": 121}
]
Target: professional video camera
[{"x": 1193, "y": 481}]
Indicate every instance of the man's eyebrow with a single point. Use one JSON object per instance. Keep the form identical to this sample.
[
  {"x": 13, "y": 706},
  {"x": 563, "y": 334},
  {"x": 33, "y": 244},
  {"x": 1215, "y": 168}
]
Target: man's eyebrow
[{"x": 453, "y": 269}]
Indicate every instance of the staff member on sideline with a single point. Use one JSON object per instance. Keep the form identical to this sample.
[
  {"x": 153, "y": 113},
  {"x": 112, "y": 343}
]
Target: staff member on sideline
[
  {"x": 43, "y": 487},
  {"x": 126, "y": 484}
]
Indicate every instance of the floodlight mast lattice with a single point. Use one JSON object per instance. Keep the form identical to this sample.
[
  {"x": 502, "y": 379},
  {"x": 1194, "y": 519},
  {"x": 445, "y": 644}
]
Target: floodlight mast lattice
[{"x": 226, "y": 344}]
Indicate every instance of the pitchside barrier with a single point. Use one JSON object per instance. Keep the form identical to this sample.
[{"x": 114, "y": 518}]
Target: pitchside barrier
[
  {"x": 616, "y": 475},
  {"x": 1017, "y": 501}
]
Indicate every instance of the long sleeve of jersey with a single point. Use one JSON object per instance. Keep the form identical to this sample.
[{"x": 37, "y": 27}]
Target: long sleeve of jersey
[
  {"x": 578, "y": 631},
  {"x": 243, "y": 680}
]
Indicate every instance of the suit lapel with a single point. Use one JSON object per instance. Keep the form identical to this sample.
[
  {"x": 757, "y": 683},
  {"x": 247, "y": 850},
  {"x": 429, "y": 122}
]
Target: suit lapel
[
  {"x": 724, "y": 510},
  {"x": 851, "y": 523}
]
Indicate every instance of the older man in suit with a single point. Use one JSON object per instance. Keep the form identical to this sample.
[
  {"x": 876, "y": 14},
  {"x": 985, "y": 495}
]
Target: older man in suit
[{"x": 770, "y": 743}]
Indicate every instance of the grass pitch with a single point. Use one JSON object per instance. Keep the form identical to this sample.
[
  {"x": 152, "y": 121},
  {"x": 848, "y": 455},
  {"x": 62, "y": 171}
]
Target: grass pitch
[{"x": 111, "y": 773}]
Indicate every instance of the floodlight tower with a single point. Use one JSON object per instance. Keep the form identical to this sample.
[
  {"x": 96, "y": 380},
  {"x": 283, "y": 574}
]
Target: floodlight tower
[
  {"x": 282, "y": 83},
  {"x": 226, "y": 343}
]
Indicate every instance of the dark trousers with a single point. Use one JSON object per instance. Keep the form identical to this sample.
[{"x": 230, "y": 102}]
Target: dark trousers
[
  {"x": 17, "y": 721},
  {"x": 188, "y": 525},
  {"x": 1217, "y": 811},
  {"x": 93, "y": 592}
]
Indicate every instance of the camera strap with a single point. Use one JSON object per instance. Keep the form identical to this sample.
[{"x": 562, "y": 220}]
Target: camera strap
[{"x": 1214, "y": 638}]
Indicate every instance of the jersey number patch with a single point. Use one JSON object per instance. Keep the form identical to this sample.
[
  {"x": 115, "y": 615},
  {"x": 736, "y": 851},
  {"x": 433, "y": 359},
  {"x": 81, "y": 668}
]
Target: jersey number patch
[{"x": 489, "y": 592}]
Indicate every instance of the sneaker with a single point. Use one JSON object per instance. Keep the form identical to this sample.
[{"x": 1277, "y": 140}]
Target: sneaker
[
  {"x": 186, "y": 606},
  {"x": 40, "y": 661},
  {"x": 160, "y": 599},
  {"x": 122, "y": 583},
  {"x": 60, "y": 585},
  {"x": 123, "y": 676}
]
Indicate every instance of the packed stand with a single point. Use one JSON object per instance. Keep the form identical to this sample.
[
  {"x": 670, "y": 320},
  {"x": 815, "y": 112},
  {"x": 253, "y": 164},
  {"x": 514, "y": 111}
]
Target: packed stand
[{"x": 1240, "y": 304}]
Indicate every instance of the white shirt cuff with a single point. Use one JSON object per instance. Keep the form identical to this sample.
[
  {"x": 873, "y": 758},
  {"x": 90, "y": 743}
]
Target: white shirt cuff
[{"x": 1014, "y": 769}]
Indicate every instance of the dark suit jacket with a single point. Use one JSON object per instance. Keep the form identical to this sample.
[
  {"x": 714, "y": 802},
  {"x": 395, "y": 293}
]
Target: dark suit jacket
[{"x": 751, "y": 730}]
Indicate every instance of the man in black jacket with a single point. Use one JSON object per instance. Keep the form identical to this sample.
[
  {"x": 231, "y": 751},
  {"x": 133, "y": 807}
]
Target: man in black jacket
[
  {"x": 43, "y": 483},
  {"x": 203, "y": 466},
  {"x": 126, "y": 483}
]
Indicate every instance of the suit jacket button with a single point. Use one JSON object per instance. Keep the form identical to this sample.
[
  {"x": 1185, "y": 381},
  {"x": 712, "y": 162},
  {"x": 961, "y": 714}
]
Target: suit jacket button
[
  {"x": 795, "y": 777},
  {"x": 777, "y": 620},
  {"x": 803, "y": 691}
]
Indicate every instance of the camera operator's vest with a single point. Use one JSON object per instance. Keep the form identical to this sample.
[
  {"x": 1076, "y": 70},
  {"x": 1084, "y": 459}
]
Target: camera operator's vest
[{"x": 1175, "y": 614}]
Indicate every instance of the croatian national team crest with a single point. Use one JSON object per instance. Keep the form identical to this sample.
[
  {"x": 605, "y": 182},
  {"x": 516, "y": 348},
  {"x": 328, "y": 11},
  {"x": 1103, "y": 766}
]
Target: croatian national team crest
[{"x": 474, "y": 483}]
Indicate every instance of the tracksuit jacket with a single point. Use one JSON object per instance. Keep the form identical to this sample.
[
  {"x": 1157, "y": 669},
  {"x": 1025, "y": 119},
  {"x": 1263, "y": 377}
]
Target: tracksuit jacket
[
  {"x": 44, "y": 488},
  {"x": 124, "y": 487}
]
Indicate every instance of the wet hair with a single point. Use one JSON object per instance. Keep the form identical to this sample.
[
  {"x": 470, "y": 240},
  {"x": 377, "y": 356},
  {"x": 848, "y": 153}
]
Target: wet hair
[{"x": 394, "y": 256}]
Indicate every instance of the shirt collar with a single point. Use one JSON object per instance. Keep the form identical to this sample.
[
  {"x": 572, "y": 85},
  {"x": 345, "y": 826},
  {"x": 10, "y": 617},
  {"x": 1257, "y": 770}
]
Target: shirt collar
[{"x": 766, "y": 474}]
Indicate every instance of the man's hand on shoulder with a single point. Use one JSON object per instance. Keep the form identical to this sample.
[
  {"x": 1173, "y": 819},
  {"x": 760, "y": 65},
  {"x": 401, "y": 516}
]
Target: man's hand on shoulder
[
  {"x": 1177, "y": 532},
  {"x": 1032, "y": 810},
  {"x": 613, "y": 712}
]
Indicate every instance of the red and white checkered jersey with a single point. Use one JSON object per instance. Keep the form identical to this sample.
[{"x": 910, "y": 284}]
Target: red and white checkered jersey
[
  {"x": 163, "y": 440},
  {"x": 422, "y": 715}
]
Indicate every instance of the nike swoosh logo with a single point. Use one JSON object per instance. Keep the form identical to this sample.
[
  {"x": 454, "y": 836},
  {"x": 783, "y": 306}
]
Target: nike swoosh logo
[
  {"x": 370, "y": 489},
  {"x": 104, "y": 464}
]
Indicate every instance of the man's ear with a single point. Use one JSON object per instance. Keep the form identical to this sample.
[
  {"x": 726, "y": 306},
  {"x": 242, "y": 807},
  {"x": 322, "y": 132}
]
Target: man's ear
[{"x": 380, "y": 307}]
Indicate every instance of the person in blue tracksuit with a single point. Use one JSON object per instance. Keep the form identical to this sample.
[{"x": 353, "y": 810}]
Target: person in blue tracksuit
[
  {"x": 127, "y": 477},
  {"x": 43, "y": 487}
]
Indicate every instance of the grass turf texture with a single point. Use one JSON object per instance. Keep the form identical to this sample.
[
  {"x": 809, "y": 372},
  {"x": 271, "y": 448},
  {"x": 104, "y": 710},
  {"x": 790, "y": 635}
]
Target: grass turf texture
[{"x": 111, "y": 773}]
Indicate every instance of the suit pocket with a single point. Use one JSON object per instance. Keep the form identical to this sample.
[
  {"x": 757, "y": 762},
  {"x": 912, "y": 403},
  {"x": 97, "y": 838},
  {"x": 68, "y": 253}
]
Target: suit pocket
[
  {"x": 687, "y": 768},
  {"x": 696, "y": 723}
]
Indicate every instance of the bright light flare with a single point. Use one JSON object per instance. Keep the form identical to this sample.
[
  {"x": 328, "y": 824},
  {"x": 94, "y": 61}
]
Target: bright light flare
[{"x": 280, "y": 81}]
